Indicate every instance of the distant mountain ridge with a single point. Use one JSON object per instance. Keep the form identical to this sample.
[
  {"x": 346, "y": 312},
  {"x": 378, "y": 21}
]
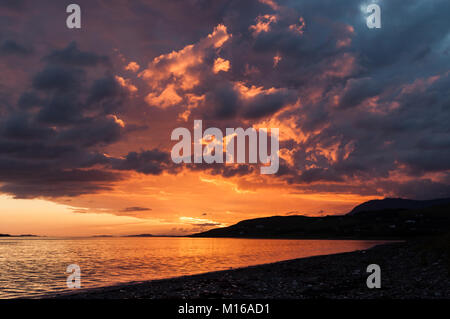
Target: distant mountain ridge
[
  {"x": 397, "y": 203},
  {"x": 382, "y": 219},
  {"x": 25, "y": 235}
]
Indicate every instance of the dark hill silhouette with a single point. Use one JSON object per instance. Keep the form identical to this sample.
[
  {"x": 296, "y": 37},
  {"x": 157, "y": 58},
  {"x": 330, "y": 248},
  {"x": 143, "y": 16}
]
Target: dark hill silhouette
[
  {"x": 397, "y": 203},
  {"x": 360, "y": 224}
]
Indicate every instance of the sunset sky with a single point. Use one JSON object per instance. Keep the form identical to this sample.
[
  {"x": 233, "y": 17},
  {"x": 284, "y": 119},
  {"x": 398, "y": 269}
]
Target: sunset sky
[{"x": 87, "y": 114}]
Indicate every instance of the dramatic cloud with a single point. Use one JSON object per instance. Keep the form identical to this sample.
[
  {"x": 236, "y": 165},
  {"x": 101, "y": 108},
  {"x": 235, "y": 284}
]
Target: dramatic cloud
[
  {"x": 152, "y": 162},
  {"x": 50, "y": 140},
  {"x": 71, "y": 55},
  {"x": 360, "y": 111}
]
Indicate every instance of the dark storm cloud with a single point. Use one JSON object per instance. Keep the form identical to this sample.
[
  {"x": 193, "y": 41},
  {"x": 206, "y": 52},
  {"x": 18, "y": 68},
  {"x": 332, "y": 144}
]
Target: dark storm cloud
[
  {"x": 422, "y": 188},
  {"x": 11, "y": 47},
  {"x": 61, "y": 109},
  {"x": 12, "y": 4},
  {"x": 152, "y": 162},
  {"x": 225, "y": 101},
  {"x": 106, "y": 94},
  {"x": 20, "y": 127},
  {"x": 356, "y": 91},
  {"x": 267, "y": 104},
  {"x": 33, "y": 170},
  {"x": 155, "y": 162},
  {"x": 319, "y": 174},
  {"x": 386, "y": 115},
  {"x": 58, "y": 78},
  {"x": 228, "y": 104},
  {"x": 50, "y": 140},
  {"x": 91, "y": 132},
  {"x": 29, "y": 100},
  {"x": 71, "y": 55},
  {"x": 224, "y": 170}
]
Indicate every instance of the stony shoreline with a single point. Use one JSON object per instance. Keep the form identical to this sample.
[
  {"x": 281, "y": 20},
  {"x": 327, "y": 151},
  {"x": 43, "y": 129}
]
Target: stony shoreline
[{"x": 408, "y": 270}]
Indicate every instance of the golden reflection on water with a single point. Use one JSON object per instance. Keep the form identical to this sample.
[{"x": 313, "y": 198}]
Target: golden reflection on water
[{"x": 34, "y": 266}]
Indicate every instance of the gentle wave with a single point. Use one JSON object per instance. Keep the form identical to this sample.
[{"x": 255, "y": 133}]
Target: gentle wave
[{"x": 35, "y": 266}]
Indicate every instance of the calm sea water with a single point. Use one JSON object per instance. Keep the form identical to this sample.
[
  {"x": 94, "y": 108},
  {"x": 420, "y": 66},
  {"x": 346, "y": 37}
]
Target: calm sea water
[{"x": 35, "y": 266}]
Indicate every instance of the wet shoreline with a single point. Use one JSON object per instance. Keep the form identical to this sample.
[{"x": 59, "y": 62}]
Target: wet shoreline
[{"x": 408, "y": 270}]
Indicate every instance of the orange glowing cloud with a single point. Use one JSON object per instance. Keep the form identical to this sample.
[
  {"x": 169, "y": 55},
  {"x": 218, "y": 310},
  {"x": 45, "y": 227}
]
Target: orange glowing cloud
[
  {"x": 178, "y": 66},
  {"x": 276, "y": 59},
  {"x": 166, "y": 98},
  {"x": 253, "y": 91},
  {"x": 263, "y": 23},
  {"x": 117, "y": 120},
  {"x": 298, "y": 28},
  {"x": 126, "y": 83},
  {"x": 132, "y": 66},
  {"x": 271, "y": 4},
  {"x": 172, "y": 76},
  {"x": 221, "y": 65}
]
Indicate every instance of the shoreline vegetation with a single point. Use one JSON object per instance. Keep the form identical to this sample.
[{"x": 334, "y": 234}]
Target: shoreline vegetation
[{"x": 413, "y": 269}]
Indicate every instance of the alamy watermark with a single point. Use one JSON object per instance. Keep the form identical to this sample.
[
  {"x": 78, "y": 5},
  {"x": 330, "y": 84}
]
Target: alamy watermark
[
  {"x": 74, "y": 279},
  {"x": 374, "y": 18},
  {"x": 73, "y": 21},
  {"x": 211, "y": 146},
  {"x": 374, "y": 279}
]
